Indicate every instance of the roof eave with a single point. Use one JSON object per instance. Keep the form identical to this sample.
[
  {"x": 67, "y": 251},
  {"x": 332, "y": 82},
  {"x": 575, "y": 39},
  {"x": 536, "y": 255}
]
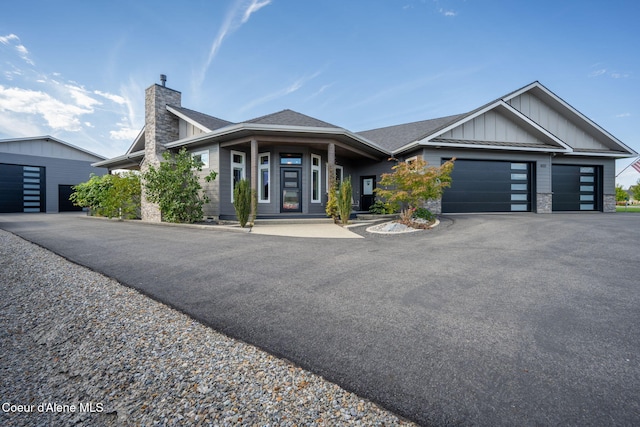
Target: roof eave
[
  {"x": 126, "y": 160},
  {"x": 496, "y": 147},
  {"x": 257, "y": 128},
  {"x": 187, "y": 119},
  {"x": 618, "y": 155}
]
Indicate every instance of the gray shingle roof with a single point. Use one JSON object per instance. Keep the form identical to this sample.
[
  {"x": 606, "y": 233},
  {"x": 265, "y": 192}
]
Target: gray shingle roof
[
  {"x": 212, "y": 123},
  {"x": 394, "y": 137},
  {"x": 290, "y": 118}
]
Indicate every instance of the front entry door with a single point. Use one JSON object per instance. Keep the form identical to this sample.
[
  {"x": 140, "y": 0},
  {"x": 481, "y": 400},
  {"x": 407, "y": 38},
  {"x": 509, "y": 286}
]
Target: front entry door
[
  {"x": 367, "y": 195},
  {"x": 291, "y": 183}
]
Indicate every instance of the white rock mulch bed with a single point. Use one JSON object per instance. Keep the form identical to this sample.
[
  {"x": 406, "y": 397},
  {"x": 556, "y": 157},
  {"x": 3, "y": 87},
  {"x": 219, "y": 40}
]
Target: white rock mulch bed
[
  {"x": 394, "y": 227},
  {"x": 78, "y": 348}
]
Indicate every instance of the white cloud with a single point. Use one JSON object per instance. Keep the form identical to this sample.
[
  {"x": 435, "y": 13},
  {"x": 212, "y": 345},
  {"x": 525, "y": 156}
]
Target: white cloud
[
  {"x": 448, "y": 12},
  {"x": 58, "y": 114},
  {"x": 80, "y": 95},
  {"x": 255, "y": 6},
  {"x": 622, "y": 115},
  {"x": 124, "y": 133},
  {"x": 13, "y": 40},
  {"x": 111, "y": 97},
  {"x": 598, "y": 72},
  {"x": 293, "y": 87},
  {"x": 619, "y": 75},
  {"x": 237, "y": 15}
]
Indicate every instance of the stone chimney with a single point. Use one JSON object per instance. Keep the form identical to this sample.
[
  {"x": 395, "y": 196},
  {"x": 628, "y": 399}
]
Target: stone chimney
[{"x": 160, "y": 128}]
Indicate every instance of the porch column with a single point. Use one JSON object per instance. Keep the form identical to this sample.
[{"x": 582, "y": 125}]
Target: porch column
[{"x": 254, "y": 179}]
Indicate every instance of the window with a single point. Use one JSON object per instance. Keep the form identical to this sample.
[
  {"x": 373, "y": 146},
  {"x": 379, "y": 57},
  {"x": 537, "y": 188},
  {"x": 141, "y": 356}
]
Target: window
[
  {"x": 238, "y": 169},
  {"x": 263, "y": 177},
  {"x": 291, "y": 159},
  {"x": 339, "y": 174},
  {"x": 203, "y": 157},
  {"x": 316, "y": 178},
  {"x": 411, "y": 159}
]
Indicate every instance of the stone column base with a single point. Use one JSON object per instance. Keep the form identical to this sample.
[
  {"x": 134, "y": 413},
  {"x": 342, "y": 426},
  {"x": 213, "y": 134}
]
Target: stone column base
[
  {"x": 434, "y": 206},
  {"x": 544, "y": 202},
  {"x": 609, "y": 203}
]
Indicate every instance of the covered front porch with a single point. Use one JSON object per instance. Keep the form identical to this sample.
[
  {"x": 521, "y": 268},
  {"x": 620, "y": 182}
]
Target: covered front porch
[{"x": 291, "y": 174}]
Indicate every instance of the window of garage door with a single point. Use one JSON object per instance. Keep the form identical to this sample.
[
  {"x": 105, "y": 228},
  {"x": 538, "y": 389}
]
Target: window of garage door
[{"x": 489, "y": 186}]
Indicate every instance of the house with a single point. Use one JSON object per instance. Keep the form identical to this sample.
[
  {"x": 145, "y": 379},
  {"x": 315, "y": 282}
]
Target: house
[
  {"x": 528, "y": 151},
  {"x": 37, "y": 173}
]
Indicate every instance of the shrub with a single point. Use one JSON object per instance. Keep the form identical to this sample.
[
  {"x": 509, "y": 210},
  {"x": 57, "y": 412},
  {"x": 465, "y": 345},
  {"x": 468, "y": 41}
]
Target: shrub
[
  {"x": 412, "y": 184},
  {"x": 242, "y": 201},
  {"x": 175, "y": 186},
  {"x": 424, "y": 213},
  {"x": 332, "y": 201},
  {"x": 110, "y": 195},
  {"x": 381, "y": 208},
  {"x": 344, "y": 200}
]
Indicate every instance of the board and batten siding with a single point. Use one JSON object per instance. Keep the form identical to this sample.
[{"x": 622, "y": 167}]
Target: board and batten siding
[
  {"x": 554, "y": 122},
  {"x": 491, "y": 126},
  {"x": 187, "y": 130}
]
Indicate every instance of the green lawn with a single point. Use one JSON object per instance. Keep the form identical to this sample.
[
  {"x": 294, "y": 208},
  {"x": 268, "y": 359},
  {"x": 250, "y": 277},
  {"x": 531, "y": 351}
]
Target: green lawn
[{"x": 633, "y": 208}]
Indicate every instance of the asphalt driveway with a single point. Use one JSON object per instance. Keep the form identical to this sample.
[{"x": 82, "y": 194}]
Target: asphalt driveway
[{"x": 488, "y": 320}]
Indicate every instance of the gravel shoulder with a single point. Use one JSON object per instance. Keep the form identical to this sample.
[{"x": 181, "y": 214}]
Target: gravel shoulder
[{"x": 80, "y": 349}]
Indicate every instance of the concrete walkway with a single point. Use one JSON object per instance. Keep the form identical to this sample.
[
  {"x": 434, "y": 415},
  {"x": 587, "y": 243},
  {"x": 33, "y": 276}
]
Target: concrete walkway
[{"x": 317, "y": 230}]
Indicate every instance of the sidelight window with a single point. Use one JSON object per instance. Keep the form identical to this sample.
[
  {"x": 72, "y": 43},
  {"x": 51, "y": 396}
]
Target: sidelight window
[
  {"x": 316, "y": 178},
  {"x": 263, "y": 177},
  {"x": 238, "y": 169}
]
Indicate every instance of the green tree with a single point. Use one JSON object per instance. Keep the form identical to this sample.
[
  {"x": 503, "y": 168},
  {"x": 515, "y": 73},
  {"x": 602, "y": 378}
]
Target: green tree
[
  {"x": 635, "y": 191},
  {"x": 242, "y": 201},
  {"x": 413, "y": 183},
  {"x": 110, "y": 195},
  {"x": 344, "y": 198},
  {"x": 621, "y": 194},
  {"x": 174, "y": 185}
]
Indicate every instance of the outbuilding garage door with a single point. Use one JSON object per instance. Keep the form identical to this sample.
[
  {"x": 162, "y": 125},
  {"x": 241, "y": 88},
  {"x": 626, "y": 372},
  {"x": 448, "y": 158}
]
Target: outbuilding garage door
[
  {"x": 576, "y": 188},
  {"x": 488, "y": 186},
  {"x": 22, "y": 188}
]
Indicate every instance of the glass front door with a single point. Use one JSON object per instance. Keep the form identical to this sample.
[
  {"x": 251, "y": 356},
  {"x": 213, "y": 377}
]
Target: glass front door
[{"x": 291, "y": 183}]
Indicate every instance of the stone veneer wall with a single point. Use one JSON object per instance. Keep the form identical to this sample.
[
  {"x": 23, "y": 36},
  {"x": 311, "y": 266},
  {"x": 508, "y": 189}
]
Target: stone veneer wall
[
  {"x": 434, "y": 206},
  {"x": 609, "y": 203},
  {"x": 544, "y": 202},
  {"x": 161, "y": 127}
]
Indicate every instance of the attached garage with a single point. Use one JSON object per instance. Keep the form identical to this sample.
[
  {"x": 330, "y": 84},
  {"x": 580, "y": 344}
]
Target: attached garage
[
  {"x": 577, "y": 188},
  {"x": 489, "y": 186},
  {"x": 36, "y": 174}
]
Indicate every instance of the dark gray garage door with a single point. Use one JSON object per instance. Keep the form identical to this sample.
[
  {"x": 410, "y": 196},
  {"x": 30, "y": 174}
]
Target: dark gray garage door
[
  {"x": 64, "y": 204},
  {"x": 489, "y": 186},
  {"x": 22, "y": 188},
  {"x": 576, "y": 188}
]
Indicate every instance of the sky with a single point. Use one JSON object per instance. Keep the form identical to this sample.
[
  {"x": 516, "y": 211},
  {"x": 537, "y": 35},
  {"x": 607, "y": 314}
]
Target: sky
[{"x": 77, "y": 69}]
